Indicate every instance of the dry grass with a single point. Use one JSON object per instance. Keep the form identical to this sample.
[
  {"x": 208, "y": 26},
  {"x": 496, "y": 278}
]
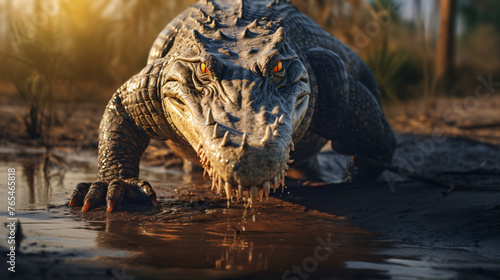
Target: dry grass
[{"x": 88, "y": 48}]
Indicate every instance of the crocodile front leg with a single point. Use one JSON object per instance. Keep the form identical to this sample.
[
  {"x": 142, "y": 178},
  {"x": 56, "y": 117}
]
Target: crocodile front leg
[
  {"x": 132, "y": 117},
  {"x": 350, "y": 115}
]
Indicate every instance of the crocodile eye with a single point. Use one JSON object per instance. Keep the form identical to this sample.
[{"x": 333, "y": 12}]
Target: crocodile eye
[
  {"x": 203, "y": 68},
  {"x": 278, "y": 67}
]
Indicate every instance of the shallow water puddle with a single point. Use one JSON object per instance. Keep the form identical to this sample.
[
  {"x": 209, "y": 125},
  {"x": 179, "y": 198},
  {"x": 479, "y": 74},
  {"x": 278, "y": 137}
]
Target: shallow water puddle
[
  {"x": 191, "y": 235},
  {"x": 192, "y": 228}
]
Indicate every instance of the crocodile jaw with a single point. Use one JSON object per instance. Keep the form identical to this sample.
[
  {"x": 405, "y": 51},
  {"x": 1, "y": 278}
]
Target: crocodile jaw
[{"x": 240, "y": 179}]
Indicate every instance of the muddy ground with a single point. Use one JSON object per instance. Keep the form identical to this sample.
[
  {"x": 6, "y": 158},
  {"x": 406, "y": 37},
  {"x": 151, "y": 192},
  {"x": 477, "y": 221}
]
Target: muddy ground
[{"x": 418, "y": 218}]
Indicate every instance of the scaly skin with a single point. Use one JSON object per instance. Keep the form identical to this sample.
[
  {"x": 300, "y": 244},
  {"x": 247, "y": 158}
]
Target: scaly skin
[{"x": 240, "y": 88}]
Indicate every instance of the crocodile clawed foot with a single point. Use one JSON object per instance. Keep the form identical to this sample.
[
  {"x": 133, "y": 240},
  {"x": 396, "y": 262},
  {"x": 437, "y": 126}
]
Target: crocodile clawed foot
[{"x": 113, "y": 194}]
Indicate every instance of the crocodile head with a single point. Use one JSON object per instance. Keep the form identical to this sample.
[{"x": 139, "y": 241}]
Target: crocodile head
[{"x": 239, "y": 97}]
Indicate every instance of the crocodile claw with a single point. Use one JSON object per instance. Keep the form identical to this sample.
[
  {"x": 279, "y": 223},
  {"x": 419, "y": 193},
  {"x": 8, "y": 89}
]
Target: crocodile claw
[{"x": 86, "y": 205}]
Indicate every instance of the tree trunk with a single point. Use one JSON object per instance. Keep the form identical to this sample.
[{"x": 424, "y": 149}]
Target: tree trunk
[{"x": 446, "y": 42}]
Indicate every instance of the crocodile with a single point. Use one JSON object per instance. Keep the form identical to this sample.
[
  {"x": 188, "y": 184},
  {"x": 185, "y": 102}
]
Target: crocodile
[{"x": 245, "y": 89}]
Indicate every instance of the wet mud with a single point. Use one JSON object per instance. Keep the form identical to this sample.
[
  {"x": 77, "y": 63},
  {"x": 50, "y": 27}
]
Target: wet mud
[{"x": 401, "y": 229}]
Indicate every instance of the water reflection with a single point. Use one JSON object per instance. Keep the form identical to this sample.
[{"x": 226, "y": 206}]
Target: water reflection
[
  {"x": 269, "y": 239},
  {"x": 29, "y": 169},
  {"x": 194, "y": 235},
  {"x": 37, "y": 174}
]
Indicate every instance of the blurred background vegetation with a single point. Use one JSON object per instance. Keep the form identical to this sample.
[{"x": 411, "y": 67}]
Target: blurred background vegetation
[{"x": 55, "y": 51}]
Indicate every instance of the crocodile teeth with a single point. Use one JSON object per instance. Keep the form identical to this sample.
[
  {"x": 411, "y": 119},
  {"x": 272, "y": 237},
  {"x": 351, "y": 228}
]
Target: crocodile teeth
[
  {"x": 253, "y": 194},
  {"x": 217, "y": 132},
  {"x": 289, "y": 160},
  {"x": 261, "y": 194},
  {"x": 267, "y": 188},
  {"x": 225, "y": 140},
  {"x": 198, "y": 149},
  {"x": 214, "y": 182},
  {"x": 249, "y": 194},
  {"x": 275, "y": 110},
  {"x": 292, "y": 146},
  {"x": 210, "y": 118},
  {"x": 281, "y": 119},
  {"x": 268, "y": 137},
  {"x": 229, "y": 193},
  {"x": 240, "y": 191},
  {"x": 220, "y": 185},
  {"x": 282, "y": 180},
  {"x": 244, "y": 140}
]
